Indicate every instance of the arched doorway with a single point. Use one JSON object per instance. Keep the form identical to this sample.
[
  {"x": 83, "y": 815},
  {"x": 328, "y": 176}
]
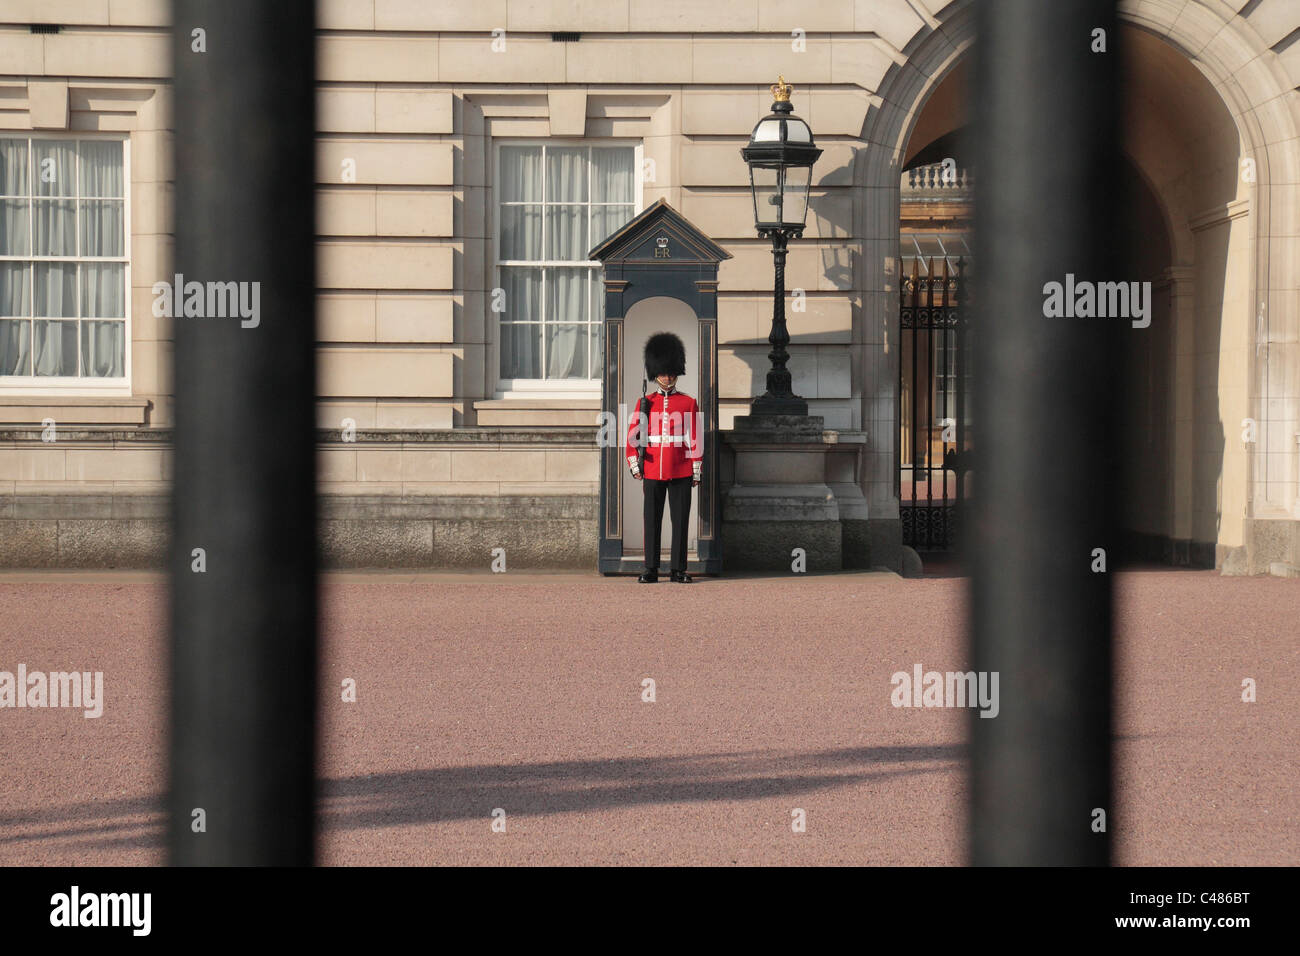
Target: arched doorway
[
  {"x": 935, "y": 430},
  {"x": 1212, "y": 467},
  {"x": 1186, "y": 493}
]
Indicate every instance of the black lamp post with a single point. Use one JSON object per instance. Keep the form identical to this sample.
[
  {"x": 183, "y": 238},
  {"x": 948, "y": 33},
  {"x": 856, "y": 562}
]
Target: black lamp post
[{"x": 780, "y": 155}]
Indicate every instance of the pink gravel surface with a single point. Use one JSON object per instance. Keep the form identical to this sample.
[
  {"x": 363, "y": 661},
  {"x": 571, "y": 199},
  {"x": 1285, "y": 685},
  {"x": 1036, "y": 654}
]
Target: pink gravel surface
[{"x": 524, "y": 692}]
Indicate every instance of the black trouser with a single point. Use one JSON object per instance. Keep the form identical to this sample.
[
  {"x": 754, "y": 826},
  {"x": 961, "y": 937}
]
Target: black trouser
[{"x": 678, "y": 492}]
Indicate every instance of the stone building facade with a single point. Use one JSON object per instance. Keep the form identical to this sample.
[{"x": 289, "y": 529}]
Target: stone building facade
[{"x": 468, "y": 156}]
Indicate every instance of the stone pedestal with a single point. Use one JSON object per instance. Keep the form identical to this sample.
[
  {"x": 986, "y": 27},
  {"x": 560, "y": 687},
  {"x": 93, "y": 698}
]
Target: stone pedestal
[{"x": 795, "y": 486}]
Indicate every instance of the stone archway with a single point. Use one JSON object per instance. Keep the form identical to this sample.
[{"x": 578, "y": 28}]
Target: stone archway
[
  {"x": 932, "y": 55},
  {"x": 1255, "y": 501}
]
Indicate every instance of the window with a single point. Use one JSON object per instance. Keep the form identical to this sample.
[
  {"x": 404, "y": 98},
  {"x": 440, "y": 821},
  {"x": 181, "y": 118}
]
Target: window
[
  {"x": 555, "y": 203},
  {"x": 62, "y": 261}
]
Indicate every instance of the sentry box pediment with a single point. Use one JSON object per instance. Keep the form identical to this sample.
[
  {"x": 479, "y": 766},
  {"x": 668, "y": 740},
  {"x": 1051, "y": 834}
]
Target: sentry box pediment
[
  {"x": 659, "y": 234},
  {"x": 661, "y": 275},
  {"x": 660, "y": 252}
]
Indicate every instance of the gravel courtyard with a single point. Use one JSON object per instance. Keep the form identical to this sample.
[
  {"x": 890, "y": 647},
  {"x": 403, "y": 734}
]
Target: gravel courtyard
[{"x": 523, "y": 692}]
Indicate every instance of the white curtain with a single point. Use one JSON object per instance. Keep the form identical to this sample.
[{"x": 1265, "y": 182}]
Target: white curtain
[
  {"x": 566, "y": 182},
  {"x": 102, "y": 290},
  {"x": 14, "y": 222},
  {"x": 54, "y": 227},
  {"x": 566, "y": 331},
  {"x": 15, "y": 345},
  {"x": 102, "y": 229},
  {"x": 566, "y": 351},
  {"x": 55, "y": 343},
  {"x": 612, "y": 181},
  {"x": 103, "y": 346},
  {"x": 521, "y": 350},
  {"x": 56, "y": 289},
  {"x": 521, "y": 174},
  {"x": 521, "y": 181},
  {"x": 101, "y": 169},
  {"x": 521, "y": 232},
  {"x": 13, "y": 167},
  {"x": 15, "y": 288},
  {"x": 56, "y": 348},
  {"x": 13, "y": 212},
  {"x": 15, "y": 299},
  {"x": 567, "y": 237},
  {"x": 566, "y": 233},
  {"x": 521, "y": 330},
  {"x": 54, "y": 167},
  {"x": 566, "y": 174},
  {"x": 607, "y": 220},
  {"x": 612, "y": 175}
]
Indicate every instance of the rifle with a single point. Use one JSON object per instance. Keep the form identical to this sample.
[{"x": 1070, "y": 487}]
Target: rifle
[{"x": 644, "y": 407}]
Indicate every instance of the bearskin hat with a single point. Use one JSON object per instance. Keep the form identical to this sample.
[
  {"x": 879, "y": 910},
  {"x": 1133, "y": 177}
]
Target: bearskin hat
[{"x": 665, "y": 355}]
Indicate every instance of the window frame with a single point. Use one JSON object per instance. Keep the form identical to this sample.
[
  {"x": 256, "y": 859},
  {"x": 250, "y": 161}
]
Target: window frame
[
  {"x": 82, "y": 386},
  {"x": 504, "y": 388}
]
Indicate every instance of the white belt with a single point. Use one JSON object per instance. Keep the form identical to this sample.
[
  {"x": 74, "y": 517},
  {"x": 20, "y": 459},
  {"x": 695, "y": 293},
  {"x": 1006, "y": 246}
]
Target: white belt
[{"x": 669, "y": 440}]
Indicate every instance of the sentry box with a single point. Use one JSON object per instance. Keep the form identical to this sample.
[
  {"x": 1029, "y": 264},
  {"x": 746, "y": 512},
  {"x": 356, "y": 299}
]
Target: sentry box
[{"x": 661, "y": 275}]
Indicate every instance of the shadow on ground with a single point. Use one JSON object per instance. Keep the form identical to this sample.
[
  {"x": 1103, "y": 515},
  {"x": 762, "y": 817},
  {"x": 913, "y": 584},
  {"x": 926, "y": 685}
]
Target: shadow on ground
[{"x": 530, "y": 789}]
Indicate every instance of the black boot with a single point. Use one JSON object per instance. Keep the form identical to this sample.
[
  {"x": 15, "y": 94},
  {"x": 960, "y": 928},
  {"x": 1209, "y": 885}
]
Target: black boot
[
  {"x": 648, "y": 577},
  {"x": 680, "y": 577}
]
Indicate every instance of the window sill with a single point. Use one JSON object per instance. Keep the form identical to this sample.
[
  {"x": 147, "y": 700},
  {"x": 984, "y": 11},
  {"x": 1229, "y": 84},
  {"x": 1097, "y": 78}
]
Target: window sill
[
  {"x": 70, "y": 410},
  {"x": 538, "y": 411}
]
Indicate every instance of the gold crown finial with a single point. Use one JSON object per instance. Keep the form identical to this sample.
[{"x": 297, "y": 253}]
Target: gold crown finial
[{"x": 781, "y": 90}]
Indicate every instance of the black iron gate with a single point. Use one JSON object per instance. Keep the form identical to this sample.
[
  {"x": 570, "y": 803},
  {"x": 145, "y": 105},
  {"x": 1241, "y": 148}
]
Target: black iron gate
[{"x": 933, "y": 382}]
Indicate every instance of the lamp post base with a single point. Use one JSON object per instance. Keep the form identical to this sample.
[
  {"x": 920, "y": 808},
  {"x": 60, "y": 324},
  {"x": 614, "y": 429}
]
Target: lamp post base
[
  {"x": 762, "y": 427},
  {"x": 787, "y": 500},
  {"x": 778, "y": 405}
]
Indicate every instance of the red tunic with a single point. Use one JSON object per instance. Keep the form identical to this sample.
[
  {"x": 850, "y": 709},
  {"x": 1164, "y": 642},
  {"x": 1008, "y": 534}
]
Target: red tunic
[{"x": 676, "y": 447}]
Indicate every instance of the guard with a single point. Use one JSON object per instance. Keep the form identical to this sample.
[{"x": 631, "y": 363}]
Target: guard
[{"x": 667, "y": 456}]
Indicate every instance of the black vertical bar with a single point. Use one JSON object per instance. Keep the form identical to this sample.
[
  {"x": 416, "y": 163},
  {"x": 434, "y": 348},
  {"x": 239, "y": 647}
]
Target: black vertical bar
[
  {"x": 931, "y": 328},
  {"x": 961, "y": 339},
  {"x": 1046, "y": 128},
  {"x": 916, "y": 344},
  {"x": 947, "y": 379},
  {"x": 244, "y": 629}
]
